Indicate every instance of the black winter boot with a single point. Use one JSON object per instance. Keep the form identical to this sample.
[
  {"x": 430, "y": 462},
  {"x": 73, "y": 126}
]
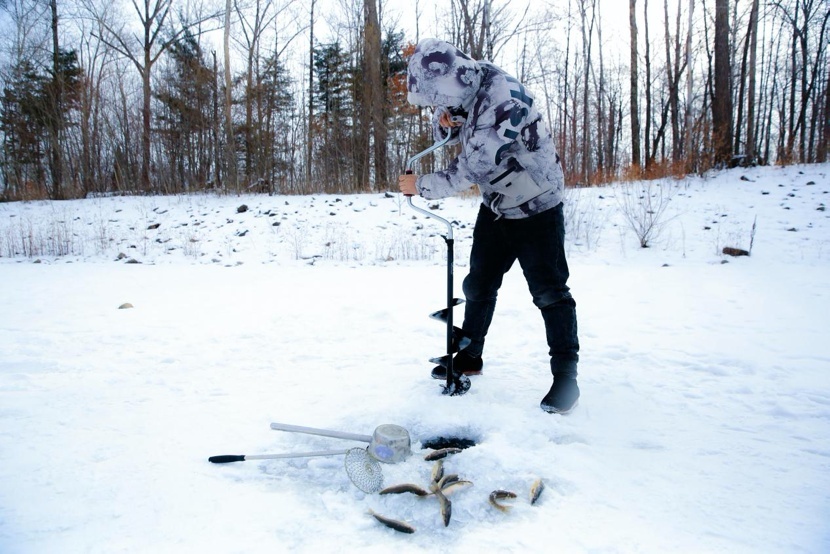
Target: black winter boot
[
  {"x": 562, "y": 396},
  {"x": 560, "y": 327},
  {"x": 463, "y": 363}
]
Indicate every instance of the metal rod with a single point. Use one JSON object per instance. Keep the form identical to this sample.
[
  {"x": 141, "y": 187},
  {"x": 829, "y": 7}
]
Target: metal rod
[
  {"x": 432, "y": 215},
  {"x": 320, "y": 432},
  {"x": 296, "y": 455},
  {"x": 451, "y": 380},
  {"x": 429, "y": 150}
]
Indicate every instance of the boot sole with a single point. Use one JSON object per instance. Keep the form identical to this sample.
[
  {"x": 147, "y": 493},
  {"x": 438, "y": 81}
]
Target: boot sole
[{"x": 553, "y": 410}]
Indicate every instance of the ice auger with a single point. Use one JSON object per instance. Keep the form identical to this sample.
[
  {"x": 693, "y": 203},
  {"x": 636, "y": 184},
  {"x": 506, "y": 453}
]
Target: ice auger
[{"x": 457, "y": 383}]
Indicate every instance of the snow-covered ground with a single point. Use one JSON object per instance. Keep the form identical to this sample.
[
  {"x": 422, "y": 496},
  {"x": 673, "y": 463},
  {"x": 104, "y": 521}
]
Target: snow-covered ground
[{"x": 704, "y": 423}]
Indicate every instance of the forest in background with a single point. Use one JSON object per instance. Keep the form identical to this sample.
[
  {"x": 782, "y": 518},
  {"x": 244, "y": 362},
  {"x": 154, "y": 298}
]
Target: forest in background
[{"x": 301, "y": 97}]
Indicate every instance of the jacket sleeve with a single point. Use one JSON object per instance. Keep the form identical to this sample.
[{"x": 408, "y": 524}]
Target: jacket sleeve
[{"x": 490, "y": 138}]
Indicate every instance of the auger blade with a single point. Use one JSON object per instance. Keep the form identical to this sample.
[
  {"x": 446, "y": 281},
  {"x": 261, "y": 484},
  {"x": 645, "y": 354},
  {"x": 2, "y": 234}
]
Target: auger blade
[
  {"x": 443, "y": 361},
  {"x": 460, "y": 385},
  {"x": 441, "y": 315}
]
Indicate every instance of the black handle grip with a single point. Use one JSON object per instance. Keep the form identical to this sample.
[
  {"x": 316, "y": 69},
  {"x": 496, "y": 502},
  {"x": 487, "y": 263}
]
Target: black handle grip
[{"x": 226, "y": 459}]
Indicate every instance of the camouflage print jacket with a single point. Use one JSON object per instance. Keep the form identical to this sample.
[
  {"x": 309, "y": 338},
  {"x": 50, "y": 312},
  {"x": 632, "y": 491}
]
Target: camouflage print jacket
[{"x": 506, "y": 148}]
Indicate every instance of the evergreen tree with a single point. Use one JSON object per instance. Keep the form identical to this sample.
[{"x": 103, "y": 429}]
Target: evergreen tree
[
  {"x": 278, "y": 125},
  {"x": 333, "y": 107},
  {"x": 27, "y": 120},
  {"x": 185, "y": 118}
]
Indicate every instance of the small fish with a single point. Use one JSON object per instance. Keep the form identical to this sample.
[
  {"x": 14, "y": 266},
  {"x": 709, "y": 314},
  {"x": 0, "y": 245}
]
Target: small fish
[
  {"x": 446, "y": 507},
  {"x": 442, "y": 453},
  {"x": 536, "y": 490},
  {"x": 405, "y": 487},
  {"x": 395, "y": 524},
  {"x": 448, "y": 480},
  {"x": 457, "y": 485},
  {"x": 437, "y": 471},
  {"x": 497, "y": 495}
]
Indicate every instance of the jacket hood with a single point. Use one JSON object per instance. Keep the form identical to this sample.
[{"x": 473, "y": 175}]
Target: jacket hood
[{"x": 439, "y": 74}]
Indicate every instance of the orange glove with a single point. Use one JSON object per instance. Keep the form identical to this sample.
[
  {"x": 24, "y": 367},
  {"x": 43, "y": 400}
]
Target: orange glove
[{"x": 447, "y": 121}]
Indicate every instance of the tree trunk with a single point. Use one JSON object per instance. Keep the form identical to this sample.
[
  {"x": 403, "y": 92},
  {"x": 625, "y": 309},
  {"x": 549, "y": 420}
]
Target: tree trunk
[
  {"x": 564, "y": 150},
  {"x": 647, "y": 135},
  {"x": 57, "y": 110},
  {"x": 825, "y": 141},
  {"x": 370, "y": 96},
  {"x": 587, "y": 39},
  {"x": 739, "y": 122},
  {"x": 675, "y": 100},
  {"x": 722, "y": 105},
  {"x": 374, "y": 98},
  {"x": 230, "y": 139},
  {"x": 600, "y": 100},
  {"x": 635, "y": 110},
  {"x": 216, "y": 127},
  {"x": 671, "y": 75},
  {"x": 310, "y": 120},
  {"x": 250, "y": 95},
  {"x": 687, "y": 147},
  {"x": 750, "y": 106},
  {"x": 145, "y": 118},
  {"x": 486, "y": 25}
]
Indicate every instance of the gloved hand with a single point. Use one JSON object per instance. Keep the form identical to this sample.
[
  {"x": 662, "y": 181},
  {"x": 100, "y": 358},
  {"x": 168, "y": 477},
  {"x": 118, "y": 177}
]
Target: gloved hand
[
  {"x": 444, "y": 122},
  {"x": 406, "y": 184},
  {"x": 446, "y": 119}
]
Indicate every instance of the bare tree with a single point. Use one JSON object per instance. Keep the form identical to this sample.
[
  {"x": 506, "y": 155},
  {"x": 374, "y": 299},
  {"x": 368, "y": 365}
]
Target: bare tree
[
  {"x": 255, "y": 19},
  {"x": 753, "y": 60},
  {"x": 645, "y": 207},
  {"x": 648, "y": 92},
  {"x": 143, "y": 51},
  {"x": 687, "y": 148},
  {"x": 804, "y": 19},
  {"x": 824, "y": 143},
  {"x": 587, "y": 25},
  {"x": 674, "y": 71},
  {"x": 481, "y": 28},
  {"x": 722, "y": 101},
  {"x": 602, "y": 143},
  {"x": 95, "y": 155},
  {"x": 230, "y": 135},
  {"x": 56, "y": 118},
  {"x": 310, "y": 115},
  {"x": 373, "y": 88},
  {"x": 635, "y": 92},
  {"x": 742, "y": 84},
  {"x": 252, "y": 30}
]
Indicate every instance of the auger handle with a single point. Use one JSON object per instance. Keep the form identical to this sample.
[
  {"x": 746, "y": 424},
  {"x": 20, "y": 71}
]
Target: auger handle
[
  {"x": 423, "y": 153},
  {"x": 409, "y": 171}
]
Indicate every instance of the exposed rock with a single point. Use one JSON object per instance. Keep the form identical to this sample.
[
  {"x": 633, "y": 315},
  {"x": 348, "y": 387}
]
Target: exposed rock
[{"x": 729, "y": 251}]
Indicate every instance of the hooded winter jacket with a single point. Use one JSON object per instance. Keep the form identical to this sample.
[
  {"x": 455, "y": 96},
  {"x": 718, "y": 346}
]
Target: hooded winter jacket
[{"x": 506, "y": 148}]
